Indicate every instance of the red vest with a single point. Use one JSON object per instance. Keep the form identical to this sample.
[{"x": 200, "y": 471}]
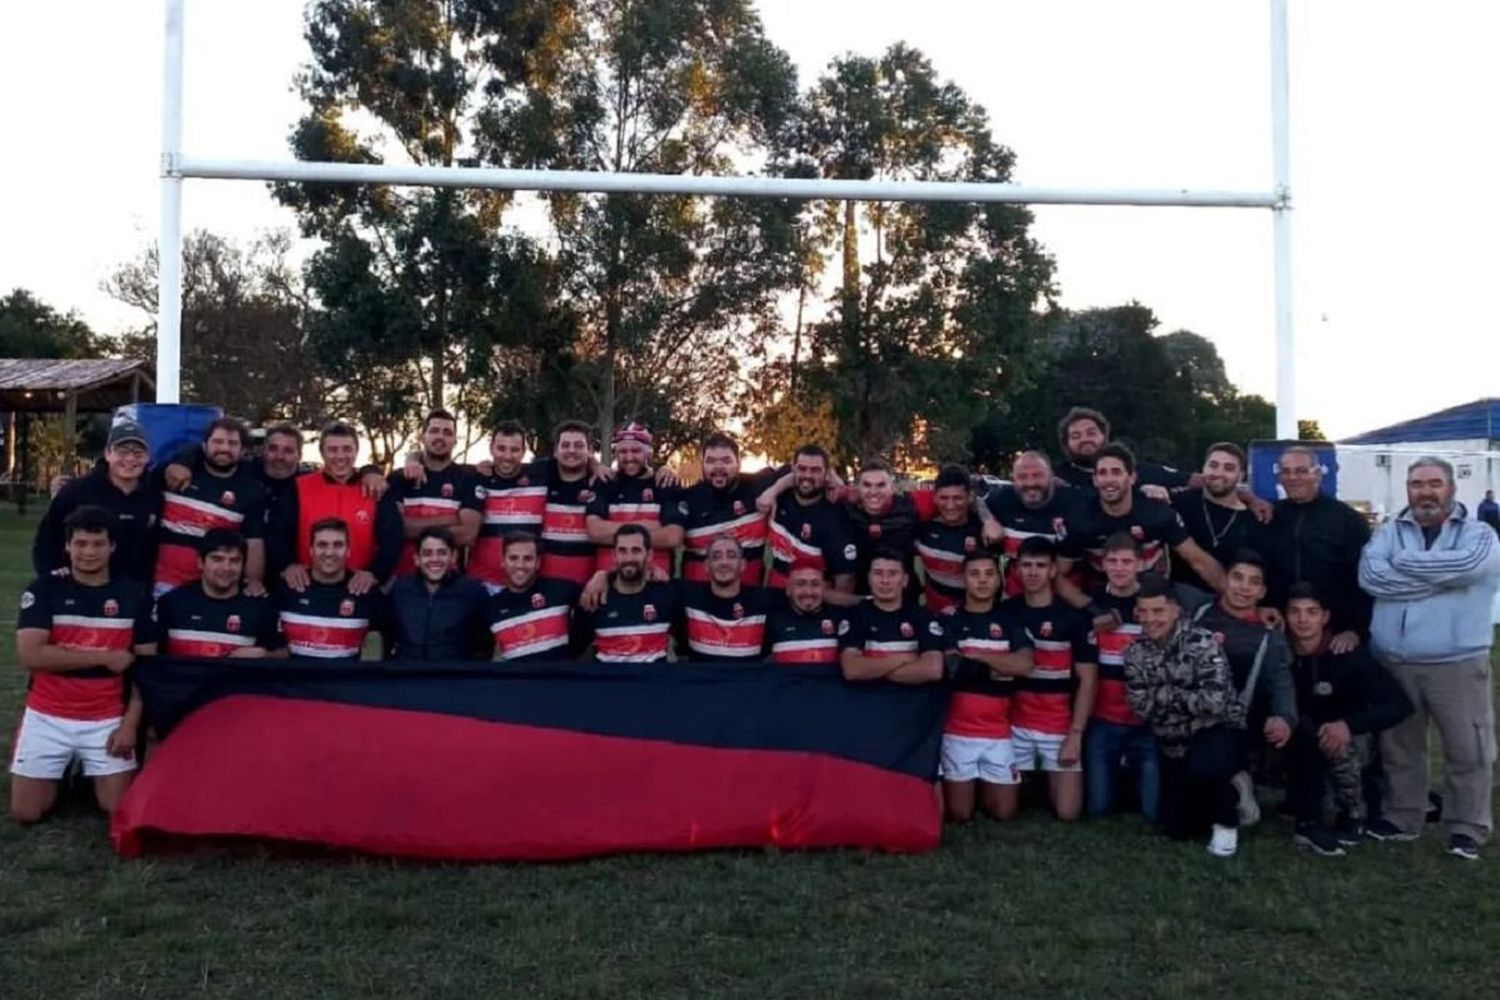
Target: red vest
[{"x": 319, "y": 497}]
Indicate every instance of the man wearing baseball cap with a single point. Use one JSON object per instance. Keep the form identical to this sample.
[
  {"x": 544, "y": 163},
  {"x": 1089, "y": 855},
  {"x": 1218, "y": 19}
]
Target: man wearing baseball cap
[{"x": 123, "y": 489}]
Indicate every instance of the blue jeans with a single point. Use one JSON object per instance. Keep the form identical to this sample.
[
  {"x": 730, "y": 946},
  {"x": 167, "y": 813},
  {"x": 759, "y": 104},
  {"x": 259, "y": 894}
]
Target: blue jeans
[{"x": 1105, "y": 745}]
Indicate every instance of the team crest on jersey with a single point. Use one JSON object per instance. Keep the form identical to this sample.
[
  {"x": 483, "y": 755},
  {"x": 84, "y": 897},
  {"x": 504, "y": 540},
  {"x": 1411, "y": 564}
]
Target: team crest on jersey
[
  {"x": 806, "y": 532},
  {"x": 585, "y": 496},
  {"x": 227, "y": 500},
  {"x": 524, "y": 481},
  {"x": 1059, "y": 527},
  {"x": 907, "y": 631},
  {"x": 996, "y": 631},
  {"x": 28, "y": 599},
  {"x": 646, "y": 495},
  {"x": 649, "y": 612},
  {"x": 1219, "y": 638},
  {"x": 739, "y": 507},
  {"x": 362, "y": 516},
  {"x": 738, "y": 610},
  {"x": 1137, "y": 532},
  {"x": 874, "y": 531},
  {"x": 826, "y": 625},
  {"x": 447, "y": 491},
  {"x": 111, "y": 608},
  {"x": 970, "y": 543},
  {"x": 538, "y": 601},
  {"x": 346, "y": 607},
  {"x": 1045, "y": 630},
  {"x": 232, "y": 623}
]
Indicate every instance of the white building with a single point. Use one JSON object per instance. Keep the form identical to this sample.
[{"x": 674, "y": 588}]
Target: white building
[{"x": 1372, "y": 466}]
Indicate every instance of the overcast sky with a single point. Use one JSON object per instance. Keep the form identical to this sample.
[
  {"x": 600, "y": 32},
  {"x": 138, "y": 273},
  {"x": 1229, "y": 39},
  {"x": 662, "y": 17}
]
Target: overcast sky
[{"x": 1393, "y": 116}]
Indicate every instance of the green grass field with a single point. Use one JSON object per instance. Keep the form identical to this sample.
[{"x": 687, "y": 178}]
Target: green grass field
[{"x": 1032, "y": 909}]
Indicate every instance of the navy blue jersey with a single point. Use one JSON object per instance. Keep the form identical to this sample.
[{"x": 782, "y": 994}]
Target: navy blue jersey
[
  {"x": 898, "y": 634},
  {"x": 633, "y": 628},
  {"x": 794, "y": 636},
  {"x": 191, "y": 623},
  {"x": 725, "y": 629},
  {"x": 327, "y": 622},
  {"x": 535, "y": 623},
  {"x": 816, "y": 532},
  {"x": 110, "y": 617}
]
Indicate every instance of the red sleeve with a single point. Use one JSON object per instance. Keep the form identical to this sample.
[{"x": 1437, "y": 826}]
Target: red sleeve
[{"x": 925, "y": 501}]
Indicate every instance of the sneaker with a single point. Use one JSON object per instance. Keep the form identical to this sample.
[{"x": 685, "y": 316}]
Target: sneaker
[
  {"x": 1225, "y": 841},
  {"x": 1384, "y": 829},
  {"x": 1461, "y": 845},
  {"x": 1348, "y": 830},
  {"x": 1249, "y": 809},
  {"x": 1318, "y": 839}
]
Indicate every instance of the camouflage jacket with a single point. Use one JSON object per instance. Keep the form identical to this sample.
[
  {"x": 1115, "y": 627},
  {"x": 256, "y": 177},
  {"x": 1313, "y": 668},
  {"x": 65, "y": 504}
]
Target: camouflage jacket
[{"x": 1181, "y": 685}]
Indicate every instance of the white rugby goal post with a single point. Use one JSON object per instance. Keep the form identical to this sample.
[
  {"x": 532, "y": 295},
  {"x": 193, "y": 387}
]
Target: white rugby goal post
[{"x": 177, "y": 166}]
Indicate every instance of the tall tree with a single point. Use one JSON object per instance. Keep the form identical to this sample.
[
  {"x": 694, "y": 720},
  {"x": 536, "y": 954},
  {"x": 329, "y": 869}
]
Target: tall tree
[
  {"x": 931, "y": 298},
  {"x": 29, "y": 328},
  {"x": 242, "y": 325},
  {"x": 667, "y": 291}
]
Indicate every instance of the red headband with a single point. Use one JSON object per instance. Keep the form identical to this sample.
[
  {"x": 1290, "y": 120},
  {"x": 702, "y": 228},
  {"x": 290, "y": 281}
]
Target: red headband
[{"x": 633, "y": 432}]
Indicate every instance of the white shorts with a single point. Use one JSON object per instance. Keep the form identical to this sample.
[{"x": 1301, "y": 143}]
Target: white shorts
[
  {"x": 977, "y": 758},
  {"x": 46, "y": 744},
  {"x": 1039, "y": 751}
]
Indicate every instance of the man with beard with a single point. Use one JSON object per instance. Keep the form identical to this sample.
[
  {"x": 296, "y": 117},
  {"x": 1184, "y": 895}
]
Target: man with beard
[
  {"x": 806, "y": 525},
  {"x": 76, "y": 635},
  {"x": 1034, "y": 505},
  {"x": 725, "y": 501},
  {"x": 221, "y": 495},
  {"x": 121, "y": 488},
  {"x": 444, "y": 496},
  {"x": 437, "y": 614},
  {"x": 1313, "y": 538},
  {"x": 634, "y": 496},
  {"x": 1215, "y": 515},
  {"x": 567, "y": 551},
  {"x": 215, "y": 615},
  {"x": 514, "y": 499},
  {"x": 978, "y": 756},
  {"x": 633, "y": 623},
  {"x": 1434, "y": 572},
  {"x": 1344, "y": 700},
  {"x": 373, "y": 528},
  {"x": 806, "y": 630},
  {"x": 1082, "y": 432},
  {"x": 1115, "y": 507},
  {"x": 531, "y": 618},
  {"x": 891, "y": 637},
  {"x": 1054, "y": 700},
  {"x": 327, "y": 619}
]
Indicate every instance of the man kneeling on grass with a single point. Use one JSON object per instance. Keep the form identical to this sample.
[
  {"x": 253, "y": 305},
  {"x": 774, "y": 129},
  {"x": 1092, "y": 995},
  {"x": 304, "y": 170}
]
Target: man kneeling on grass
[{"x": 1178, "y": 680}]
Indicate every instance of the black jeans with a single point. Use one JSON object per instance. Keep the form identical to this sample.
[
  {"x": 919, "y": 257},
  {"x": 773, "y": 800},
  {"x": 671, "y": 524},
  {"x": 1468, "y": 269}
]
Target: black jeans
[{"x": 1196, "y": 788}]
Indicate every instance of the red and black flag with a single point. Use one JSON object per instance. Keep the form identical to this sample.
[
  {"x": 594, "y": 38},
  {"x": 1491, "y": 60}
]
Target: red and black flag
[{"x": 492, "y": 761}]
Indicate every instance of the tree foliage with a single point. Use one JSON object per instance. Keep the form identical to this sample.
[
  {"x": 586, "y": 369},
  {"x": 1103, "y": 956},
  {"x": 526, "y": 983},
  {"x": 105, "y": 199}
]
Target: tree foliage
[{"x": 29, "y": 328}]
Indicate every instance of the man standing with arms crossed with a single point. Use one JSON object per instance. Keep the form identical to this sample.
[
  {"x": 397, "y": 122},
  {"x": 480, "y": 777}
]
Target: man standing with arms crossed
[{"x": 1433, "y": 572}]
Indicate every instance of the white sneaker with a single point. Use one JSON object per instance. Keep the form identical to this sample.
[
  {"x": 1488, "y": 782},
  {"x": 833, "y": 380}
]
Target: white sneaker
[
  {"x": 1249, "y": 809},
  {"x": 1225, "y": 841}
]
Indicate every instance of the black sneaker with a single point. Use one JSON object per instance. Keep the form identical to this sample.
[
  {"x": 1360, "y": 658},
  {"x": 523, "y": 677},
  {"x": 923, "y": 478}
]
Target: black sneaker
[
  {"x": 1318, "y": 839},
  {"x": 1385, "y": 830},
  {"x": 1348, "y": 830},
  {"x": 1461, "y": 845}
]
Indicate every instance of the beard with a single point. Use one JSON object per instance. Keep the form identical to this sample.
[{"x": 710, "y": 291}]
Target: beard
[{"x": 630, "y": 572}]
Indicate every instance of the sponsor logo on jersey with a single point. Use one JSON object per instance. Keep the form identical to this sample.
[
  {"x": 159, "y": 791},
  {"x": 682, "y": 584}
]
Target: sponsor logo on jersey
[
  {"x": 28, "y": 599},
  {"x": 851, "y": 552},
  {"x": 1322, "y": 689},
  {"x": 935, "y": 628}
]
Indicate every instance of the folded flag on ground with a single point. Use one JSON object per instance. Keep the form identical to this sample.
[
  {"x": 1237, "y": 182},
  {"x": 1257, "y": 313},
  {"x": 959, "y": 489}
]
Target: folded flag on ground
[{"x": 487, "y": 762}]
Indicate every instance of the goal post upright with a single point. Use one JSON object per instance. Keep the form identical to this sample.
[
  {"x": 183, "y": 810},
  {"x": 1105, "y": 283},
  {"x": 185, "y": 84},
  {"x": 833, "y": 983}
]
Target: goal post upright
[{"x": 177, "y": 166}]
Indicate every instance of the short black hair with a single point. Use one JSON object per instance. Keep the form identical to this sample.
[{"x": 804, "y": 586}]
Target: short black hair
[
  {"x": 1122, "y": 540},
  {"x": 1304, "y": 591},
  {"x": 1076, "y": 414},
  {"x": 953, "y": 475},
  {"x": 337, "y": 428},
  {"x": 573, "y": 427},
  {"x": 90, "y": 519},
  {"x": 222, "y": 539},
  {"x": 285, "y": 430},
  {"x": 1246, "y": 557},
  {"x": 434, "y": 531},
  {"x": 626, "y": 530},
  {"x": 889, "y": 555},
  {"x": 718, "y": 439},
  {"x": 811, "y": 450},
  {"x": 876, "y": 464},
  {"x": 1119, "y": 453},
  {"x": 1156, "y": 585},
  {"x": 328, "y": 524},
  {"x": 1228, "y": 448},
  {"x": 508, "y": 428},
  {"x": 982, "y": 555},
  {"x": 230, "y": 424},
  {"x": 520, "y": 538},
  {"x": 1037, "y": 545},
  {"x": 438, "y": 414}
]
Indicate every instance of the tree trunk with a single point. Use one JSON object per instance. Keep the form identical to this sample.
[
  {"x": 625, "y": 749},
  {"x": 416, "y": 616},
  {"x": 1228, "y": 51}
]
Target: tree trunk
[
  {"x": 850, "y": 290},
  {"x": 797, "y": 335}
]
